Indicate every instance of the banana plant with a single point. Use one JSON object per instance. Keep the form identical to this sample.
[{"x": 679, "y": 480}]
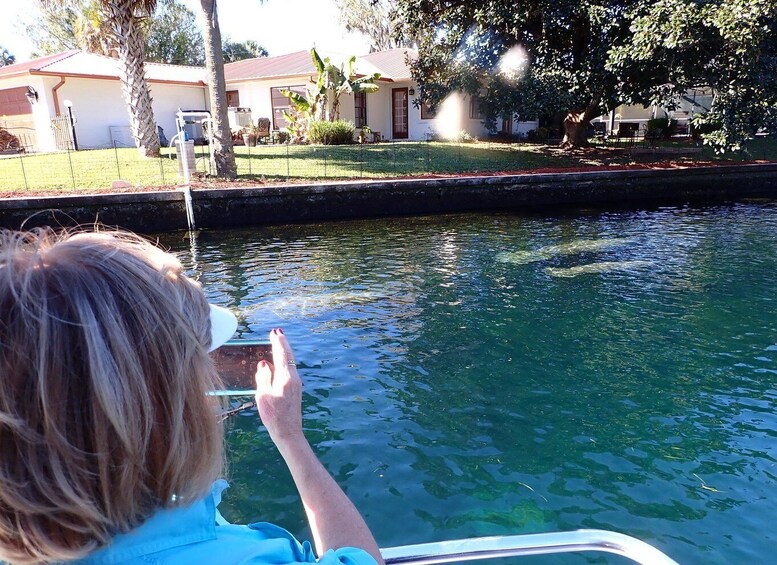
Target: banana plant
[
  {"x": 321, "y": 100},
  {"x": 343, "y": 82}
]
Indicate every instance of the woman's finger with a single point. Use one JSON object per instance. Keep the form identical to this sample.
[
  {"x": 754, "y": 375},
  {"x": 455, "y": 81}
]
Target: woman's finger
[
  {"x": 285, "y": 363},
  {"x": 264, "y": 376}
]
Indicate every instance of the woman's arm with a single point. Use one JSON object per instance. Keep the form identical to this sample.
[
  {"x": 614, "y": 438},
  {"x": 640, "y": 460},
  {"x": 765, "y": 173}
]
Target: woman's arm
[{"x": 334, "y": 520}]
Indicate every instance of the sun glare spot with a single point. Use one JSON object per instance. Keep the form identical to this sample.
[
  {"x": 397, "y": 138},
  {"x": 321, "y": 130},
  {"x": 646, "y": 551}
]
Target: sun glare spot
[
  {"x": 514, "y": 63},
  {"x": 449, "y": 116}
]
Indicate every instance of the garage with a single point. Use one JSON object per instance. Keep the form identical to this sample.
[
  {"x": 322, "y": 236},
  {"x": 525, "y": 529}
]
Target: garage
[{"x": 16, "y": 116}]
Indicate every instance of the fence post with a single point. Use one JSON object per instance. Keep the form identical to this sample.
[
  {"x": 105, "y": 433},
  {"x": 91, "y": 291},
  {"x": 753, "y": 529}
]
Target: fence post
[
  {"x": 116, "y": 152},
  {"x": 361, "y": 162},
  {"x": 72, "y": 174},
  {"x": 287, "y": 162},
  {"x": 162, "y": 166},
  {"x": 24, "y": 173},
  {"x": 249, "y": 160},
  {"x": 324, "y": 149}
]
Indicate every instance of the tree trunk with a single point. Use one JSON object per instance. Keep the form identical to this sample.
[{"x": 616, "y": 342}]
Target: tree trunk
[
  {"x": 130, "y": 46},
  {"x": 217, "y": 88},
  {"x": 335, "y": 107},
  {"x": 576, "y": 127}
]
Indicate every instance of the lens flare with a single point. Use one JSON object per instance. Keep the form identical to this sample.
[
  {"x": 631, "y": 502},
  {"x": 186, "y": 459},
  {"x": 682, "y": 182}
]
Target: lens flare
[
  {"x": 450, "y": 116},
  {"x": 514, "y": 63}
]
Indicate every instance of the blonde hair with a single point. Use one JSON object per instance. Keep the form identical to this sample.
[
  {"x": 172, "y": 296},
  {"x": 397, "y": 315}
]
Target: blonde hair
[{"x": 104, "y": 370}]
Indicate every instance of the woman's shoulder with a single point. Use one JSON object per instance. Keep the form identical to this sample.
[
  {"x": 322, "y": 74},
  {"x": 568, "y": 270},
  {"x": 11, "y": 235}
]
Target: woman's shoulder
[{"x": 198, "y": 534}]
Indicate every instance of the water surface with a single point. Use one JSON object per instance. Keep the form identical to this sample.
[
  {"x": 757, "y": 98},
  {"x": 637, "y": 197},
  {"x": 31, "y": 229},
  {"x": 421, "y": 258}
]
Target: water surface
[{"x": 497, "y": 374}]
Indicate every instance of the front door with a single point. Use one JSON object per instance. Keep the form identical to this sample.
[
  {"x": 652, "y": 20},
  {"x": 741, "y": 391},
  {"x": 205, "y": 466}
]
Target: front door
[{"x": 399, "y": 113}]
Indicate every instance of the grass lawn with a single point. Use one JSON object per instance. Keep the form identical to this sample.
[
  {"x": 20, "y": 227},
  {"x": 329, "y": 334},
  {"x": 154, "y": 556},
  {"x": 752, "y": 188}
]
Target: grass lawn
[{"x": 91, "y": 170}]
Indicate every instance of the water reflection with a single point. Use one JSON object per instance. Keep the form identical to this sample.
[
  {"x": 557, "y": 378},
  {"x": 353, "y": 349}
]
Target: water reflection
[{"x": 454, "y": 394}]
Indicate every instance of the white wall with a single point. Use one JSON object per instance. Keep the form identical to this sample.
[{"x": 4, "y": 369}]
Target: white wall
[
  {"x": 256, "y": 95},
  {"x": 98, "y": 104},
  {"x": 168, "y": 98},
  {"x": 379, "y": 110}
]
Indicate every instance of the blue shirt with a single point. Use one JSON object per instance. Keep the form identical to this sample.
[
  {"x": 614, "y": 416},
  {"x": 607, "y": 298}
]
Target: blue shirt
[{"x": 198, "y": 534}]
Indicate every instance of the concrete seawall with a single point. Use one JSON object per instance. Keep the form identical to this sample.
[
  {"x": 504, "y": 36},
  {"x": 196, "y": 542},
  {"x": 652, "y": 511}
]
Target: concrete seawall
[{"x": 217, "y": 208}]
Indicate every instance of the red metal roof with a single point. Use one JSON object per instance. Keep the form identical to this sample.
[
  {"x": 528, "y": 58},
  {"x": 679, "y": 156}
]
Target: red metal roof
[
  {"x": 391, "y": 63},
  {"x": 293, "y": 64},
  {"x": 35, "y": 64}
]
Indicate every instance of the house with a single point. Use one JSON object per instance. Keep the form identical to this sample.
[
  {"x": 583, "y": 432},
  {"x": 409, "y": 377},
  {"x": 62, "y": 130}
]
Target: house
[
  {"x": 38, "y": 96},
  {"x": 393, "y": 111},
  {"x": 634, "y": 118},
  {"x": 34, "y": 93}
]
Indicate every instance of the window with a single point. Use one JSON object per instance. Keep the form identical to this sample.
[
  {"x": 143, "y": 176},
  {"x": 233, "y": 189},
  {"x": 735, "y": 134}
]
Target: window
[
  {"x": 281, "y": 104},
  {"x": 360, "y": 109},
  {"x": 233, "y": 98},
  {"x": 427, "y": 113},
  {"x": 474, "y": 109}
]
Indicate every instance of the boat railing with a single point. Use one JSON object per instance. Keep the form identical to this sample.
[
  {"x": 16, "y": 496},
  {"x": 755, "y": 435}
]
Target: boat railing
[{"x": 528, "y": 544}]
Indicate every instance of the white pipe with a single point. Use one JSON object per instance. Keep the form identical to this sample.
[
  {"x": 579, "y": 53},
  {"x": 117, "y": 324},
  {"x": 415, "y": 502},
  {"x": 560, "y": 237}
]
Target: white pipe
[
  {"x": 186, "y": 188},
  {"x": 529, "y": 544},
  {"x": 187, "y": 199}
]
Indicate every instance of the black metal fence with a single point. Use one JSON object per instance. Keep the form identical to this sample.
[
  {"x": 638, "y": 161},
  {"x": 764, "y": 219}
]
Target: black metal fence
[
  {"x": 117, "y": 167},
  {"x": 99, "y": 168}
]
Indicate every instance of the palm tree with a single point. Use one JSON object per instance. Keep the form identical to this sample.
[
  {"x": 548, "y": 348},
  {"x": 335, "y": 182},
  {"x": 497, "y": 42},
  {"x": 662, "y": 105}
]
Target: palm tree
[
  {"x": 217, "y": 87},
  {"x": 122, "y": 21}
]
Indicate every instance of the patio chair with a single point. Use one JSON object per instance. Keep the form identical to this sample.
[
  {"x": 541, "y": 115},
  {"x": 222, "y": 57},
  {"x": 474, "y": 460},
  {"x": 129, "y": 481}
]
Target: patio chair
[{"x": 263, "y": 130}]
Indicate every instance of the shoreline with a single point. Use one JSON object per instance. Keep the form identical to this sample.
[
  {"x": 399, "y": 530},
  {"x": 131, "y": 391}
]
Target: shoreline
[{"x": 164, "y": 210}]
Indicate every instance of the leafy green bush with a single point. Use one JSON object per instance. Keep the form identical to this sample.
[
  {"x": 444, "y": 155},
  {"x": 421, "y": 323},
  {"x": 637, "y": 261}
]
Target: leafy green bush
[
  {"x": 702, "y": 126},
  {"x": 464, "y": 137},
  {"x": 539, "y": 134},
  {"x": 660, "y": 127},
  {"x": 338, "y": 132}
]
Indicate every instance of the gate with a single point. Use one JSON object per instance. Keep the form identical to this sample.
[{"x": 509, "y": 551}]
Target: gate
[{"x": 63, "y": 133}]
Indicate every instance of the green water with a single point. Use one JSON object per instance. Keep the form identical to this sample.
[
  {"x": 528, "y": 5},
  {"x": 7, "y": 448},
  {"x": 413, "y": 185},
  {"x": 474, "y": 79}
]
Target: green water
[{"x": 496, "y": 374}]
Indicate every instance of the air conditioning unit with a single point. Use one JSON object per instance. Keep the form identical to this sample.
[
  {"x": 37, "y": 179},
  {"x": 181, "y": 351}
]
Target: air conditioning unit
[{"x": 239, "y": 117}]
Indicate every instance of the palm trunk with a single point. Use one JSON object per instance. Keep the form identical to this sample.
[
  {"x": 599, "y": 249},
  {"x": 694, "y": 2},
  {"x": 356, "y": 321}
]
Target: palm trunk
[
  {"x": 130, "y": 46},
  {"x": 217, "y": 88},
  {"x": 576, "y": 127}
]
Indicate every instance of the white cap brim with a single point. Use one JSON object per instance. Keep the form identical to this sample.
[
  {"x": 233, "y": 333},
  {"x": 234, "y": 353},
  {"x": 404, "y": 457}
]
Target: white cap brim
[{"x": 223, "y": 325}]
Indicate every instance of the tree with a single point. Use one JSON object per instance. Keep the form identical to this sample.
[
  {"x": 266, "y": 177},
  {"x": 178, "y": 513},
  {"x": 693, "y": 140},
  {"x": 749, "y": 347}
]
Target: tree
[
  {"x": 6, "y": 58},
  {"x": 173, "y": 35},
  {"x": 121, "y": 23},
  {"x": 374, "y": 19},
  {"x": 238, "y": 51},
  {"x": 217, "y": 87},
  {"x": 69, "y": 24},
  {"x": 729, "y": 46},
  {"x": 585, "y": 58}
]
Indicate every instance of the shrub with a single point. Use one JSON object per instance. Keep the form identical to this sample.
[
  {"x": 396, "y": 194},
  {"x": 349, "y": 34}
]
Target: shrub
[
  {"x": 464, "y": 137},
  {"x": 701, "y": 126},
  {"x": 660, "y": 127},
  {"x": 280, "y": 136},
  {"x": 338, "y": 132}
]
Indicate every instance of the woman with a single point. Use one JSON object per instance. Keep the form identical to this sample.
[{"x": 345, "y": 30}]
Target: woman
[{"x": 109, "y": 444}]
